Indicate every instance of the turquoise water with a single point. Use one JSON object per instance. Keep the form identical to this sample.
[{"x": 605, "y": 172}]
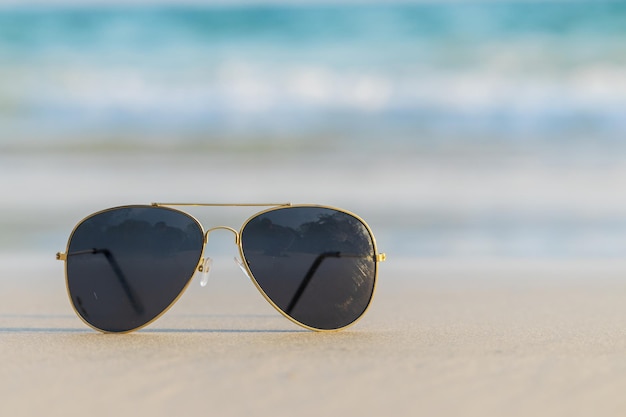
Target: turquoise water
[
  {"x": 523, "y": 71},
  {"x": 455, "y": 128}
]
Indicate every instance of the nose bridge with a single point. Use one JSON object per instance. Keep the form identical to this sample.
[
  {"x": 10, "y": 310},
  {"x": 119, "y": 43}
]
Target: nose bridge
[{"x": 235, "y": 232}]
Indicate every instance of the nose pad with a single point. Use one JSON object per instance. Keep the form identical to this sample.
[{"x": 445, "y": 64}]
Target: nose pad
[
  {"x": 205, "y": 271},
  {"x": 241, "y": 266}
]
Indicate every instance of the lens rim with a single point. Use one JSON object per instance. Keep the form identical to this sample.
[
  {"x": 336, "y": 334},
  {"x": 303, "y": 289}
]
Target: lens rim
[
  {"x": 269, "y": 300},
  {"x": 132, "y": 206}
]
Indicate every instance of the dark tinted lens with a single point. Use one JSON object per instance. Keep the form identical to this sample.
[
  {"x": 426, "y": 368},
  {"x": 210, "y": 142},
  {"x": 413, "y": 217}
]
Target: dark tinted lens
[
  {"x": 125, "y": 266},
  {"x": 316, "y": 264}
]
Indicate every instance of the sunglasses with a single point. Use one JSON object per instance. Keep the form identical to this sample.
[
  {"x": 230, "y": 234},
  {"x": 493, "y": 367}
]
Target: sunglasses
[{"x": 125, "y": 266}]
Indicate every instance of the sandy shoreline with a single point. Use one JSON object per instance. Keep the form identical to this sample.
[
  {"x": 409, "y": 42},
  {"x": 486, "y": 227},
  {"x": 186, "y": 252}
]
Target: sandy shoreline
[{"x": 442, "y": 338}]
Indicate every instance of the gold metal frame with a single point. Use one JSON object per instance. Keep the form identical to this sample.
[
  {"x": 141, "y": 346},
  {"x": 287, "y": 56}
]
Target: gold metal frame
[{"x": 378, "y": 257}]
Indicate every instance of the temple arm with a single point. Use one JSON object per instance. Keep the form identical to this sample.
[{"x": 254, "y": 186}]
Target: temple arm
[
  {"x": 115, "y": 266},
  {"x": 313, "y": 269}
]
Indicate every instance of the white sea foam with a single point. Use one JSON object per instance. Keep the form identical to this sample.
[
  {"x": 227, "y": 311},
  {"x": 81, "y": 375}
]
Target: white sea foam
[{"x": 419, "y": 204}]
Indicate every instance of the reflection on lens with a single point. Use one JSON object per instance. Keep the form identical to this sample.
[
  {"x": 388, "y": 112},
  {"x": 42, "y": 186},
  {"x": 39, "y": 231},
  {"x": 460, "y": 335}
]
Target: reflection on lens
[
  {"x": 317, "y": 265},
  {"x": 125, "y": 266}
]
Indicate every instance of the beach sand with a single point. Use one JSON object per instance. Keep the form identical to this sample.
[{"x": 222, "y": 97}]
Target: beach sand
[{"x": 443, "y": 337}]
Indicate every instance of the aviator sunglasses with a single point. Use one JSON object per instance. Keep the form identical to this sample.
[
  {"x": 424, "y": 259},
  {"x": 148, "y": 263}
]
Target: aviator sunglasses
[{"x": 125, "y": 266}]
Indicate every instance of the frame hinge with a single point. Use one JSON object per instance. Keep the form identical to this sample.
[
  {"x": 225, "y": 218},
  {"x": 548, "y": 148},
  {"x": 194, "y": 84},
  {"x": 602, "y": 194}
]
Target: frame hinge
[
  {"x": 61, "y": 256},
  {"x": 381, "y": 257}
]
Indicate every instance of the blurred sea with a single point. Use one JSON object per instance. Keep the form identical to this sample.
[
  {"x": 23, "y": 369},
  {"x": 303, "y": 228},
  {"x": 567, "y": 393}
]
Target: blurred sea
[{"x": 466, "y": 129}]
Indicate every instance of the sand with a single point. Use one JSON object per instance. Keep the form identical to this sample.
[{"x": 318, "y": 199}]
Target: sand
[{"x": 444, "y": 337}]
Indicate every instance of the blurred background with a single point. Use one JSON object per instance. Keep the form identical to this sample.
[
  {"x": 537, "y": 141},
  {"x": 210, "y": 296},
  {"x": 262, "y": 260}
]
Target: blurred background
[{"x": 461, "y": 129}]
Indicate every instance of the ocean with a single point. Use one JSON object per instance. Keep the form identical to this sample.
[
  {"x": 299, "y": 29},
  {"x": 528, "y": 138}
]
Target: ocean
[
  {"x": 462, "y": 129},
  {"x": 411, "y": 72}
]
